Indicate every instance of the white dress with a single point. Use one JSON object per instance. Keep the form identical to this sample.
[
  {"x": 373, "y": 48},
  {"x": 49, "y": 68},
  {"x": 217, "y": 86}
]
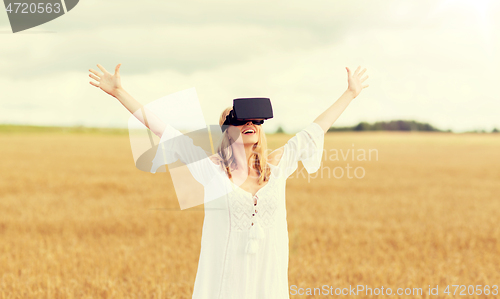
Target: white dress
[{"x": 244, "y": 246}]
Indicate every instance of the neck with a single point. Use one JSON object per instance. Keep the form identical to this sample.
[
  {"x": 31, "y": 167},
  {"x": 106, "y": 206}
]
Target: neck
[{"x": 242, "y": 153}]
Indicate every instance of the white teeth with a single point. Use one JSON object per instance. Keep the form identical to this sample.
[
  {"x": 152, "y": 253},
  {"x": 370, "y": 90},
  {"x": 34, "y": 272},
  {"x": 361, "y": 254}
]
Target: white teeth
[{"x": 251, "y": 131}]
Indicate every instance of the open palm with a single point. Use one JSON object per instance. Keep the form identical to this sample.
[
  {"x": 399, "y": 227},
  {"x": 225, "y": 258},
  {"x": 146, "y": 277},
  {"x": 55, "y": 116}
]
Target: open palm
[
  {"x": 355, "y": 81},
  {"x": 106, "y": 81}
]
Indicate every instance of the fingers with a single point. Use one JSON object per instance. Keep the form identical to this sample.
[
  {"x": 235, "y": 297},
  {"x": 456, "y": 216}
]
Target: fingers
[
  {"x": 102, "y": 68},
  {"x": 362, "y": 72},
  {"x": 117, "y": 68},
  {"x": 365, "y": 86},
  {"x": 93, "y": 83},
  {"x": 94, "y": 77},
  {"x": 358, "y": 73},
  {"x": 95, "y": 73},
  {"x": 357, "y": 70}
]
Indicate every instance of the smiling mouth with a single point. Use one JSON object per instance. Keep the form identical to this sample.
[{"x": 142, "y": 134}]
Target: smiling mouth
[{"x": 249, "y": 132}]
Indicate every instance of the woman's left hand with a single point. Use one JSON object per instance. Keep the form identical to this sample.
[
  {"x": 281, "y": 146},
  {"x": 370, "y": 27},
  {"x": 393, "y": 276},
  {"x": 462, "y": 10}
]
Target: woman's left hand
[{"x": 355, "y": 81}]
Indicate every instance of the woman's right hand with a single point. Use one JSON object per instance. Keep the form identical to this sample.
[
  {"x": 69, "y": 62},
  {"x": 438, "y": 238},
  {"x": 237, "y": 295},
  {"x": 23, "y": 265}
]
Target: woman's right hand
[{"x": 106, "y": 81}]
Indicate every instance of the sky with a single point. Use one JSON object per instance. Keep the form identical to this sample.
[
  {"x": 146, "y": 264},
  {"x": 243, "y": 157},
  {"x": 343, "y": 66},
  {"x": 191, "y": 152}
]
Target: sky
[{"x": 430, "y": 61}]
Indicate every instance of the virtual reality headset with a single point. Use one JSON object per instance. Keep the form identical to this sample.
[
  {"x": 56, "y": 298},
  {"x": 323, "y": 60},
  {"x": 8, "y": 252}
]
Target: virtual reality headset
[{"x": 245, "y": 109}]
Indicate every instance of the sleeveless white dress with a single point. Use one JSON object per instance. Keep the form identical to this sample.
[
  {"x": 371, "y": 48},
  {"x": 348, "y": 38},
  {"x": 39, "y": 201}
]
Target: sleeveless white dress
[{"x": 244, "y": 245}]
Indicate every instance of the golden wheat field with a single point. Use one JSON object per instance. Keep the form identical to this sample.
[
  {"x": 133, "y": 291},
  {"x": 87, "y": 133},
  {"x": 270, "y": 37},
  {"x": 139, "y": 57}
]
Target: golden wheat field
[{"x": 78, "y": 220}]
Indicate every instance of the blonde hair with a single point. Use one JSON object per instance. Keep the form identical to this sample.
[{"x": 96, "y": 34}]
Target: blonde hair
[{"x": 258, "y": 158}]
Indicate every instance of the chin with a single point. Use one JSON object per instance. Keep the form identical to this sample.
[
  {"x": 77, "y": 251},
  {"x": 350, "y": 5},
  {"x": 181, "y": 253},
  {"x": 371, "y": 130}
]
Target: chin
[{"x": 252, "y": 140}]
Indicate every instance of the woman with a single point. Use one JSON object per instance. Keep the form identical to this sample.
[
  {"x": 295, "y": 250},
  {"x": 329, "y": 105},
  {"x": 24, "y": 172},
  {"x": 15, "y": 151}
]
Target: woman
[{"x": 244, "y": 246}]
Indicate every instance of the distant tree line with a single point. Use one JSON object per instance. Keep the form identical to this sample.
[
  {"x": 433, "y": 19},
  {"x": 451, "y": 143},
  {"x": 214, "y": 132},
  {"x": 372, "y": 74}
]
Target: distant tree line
[
  {"x": 495, "y": 130},
  {"x": 394, "y": 125},
  {"x": 398, "y": 125}
]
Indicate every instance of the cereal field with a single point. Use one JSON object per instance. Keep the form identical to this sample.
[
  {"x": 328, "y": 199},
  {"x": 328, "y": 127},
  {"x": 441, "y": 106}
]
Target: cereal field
[{"x": 78, "y": 220}]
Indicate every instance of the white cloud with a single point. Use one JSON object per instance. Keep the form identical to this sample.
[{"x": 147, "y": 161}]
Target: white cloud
[{"x": 437, "y": 66}]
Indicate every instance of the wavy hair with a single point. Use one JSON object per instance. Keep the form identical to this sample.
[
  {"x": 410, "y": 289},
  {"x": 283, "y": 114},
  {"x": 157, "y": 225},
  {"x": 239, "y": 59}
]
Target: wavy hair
[{"x": 258, "y": 158}]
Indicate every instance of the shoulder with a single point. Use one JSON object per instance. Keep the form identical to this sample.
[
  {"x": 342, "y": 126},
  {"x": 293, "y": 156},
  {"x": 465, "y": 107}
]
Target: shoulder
[{"x": 275, "y": 157}]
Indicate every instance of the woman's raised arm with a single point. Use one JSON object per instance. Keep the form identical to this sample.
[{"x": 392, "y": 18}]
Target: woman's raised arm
[
  {"x": 111, "y": 84},
  {"x": 327, "y": 118}
]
